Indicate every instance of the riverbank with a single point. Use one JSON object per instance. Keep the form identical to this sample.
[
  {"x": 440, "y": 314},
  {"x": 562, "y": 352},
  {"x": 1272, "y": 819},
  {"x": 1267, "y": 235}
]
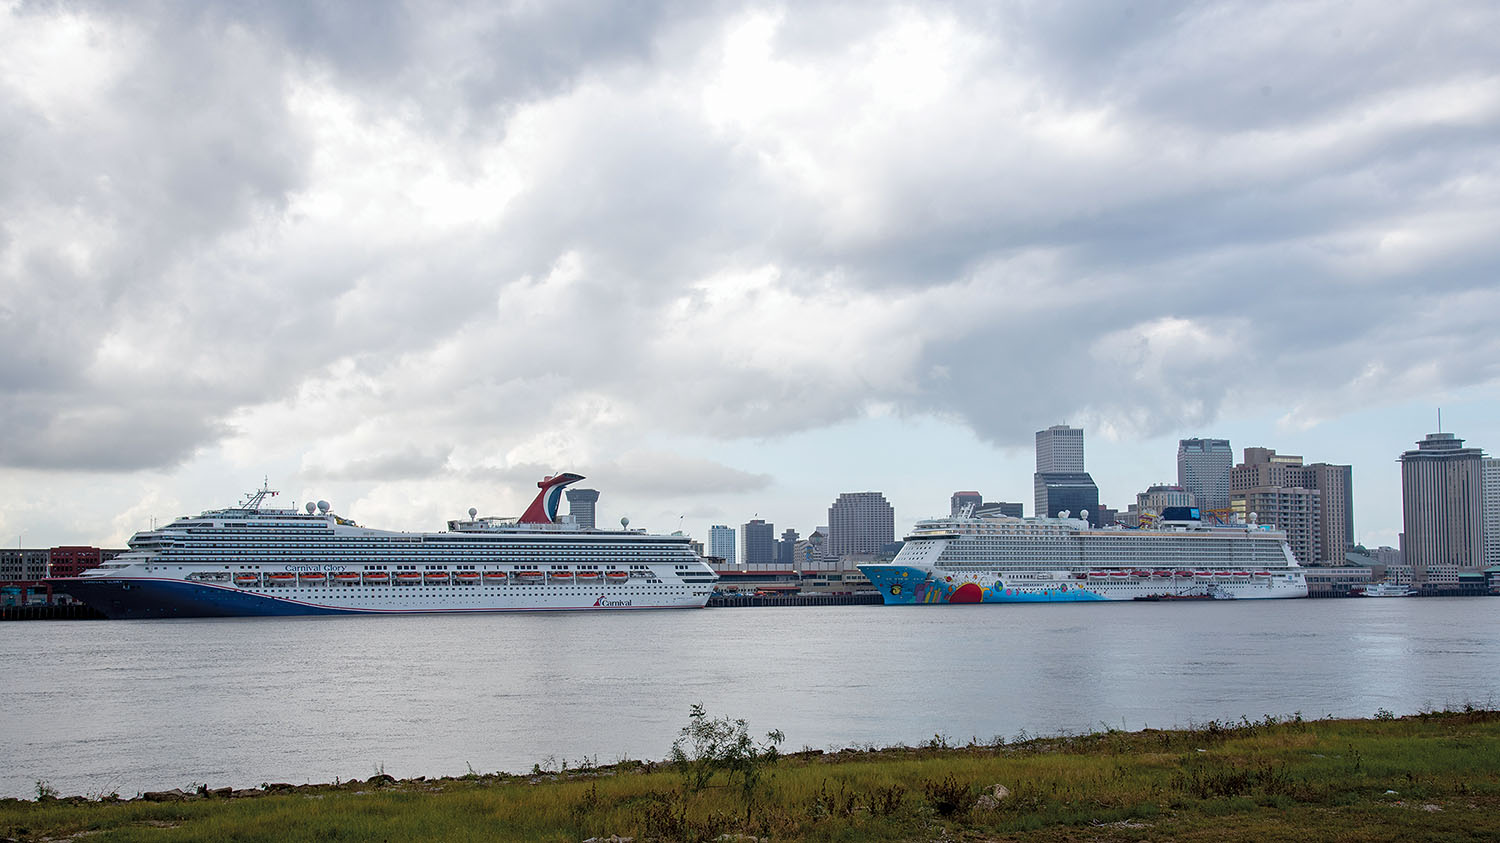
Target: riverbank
[{"x": 1433, "y": 776}]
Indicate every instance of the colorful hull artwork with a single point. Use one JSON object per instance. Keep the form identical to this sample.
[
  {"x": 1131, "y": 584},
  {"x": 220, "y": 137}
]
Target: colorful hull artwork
[{"x": 901, "y": 585}]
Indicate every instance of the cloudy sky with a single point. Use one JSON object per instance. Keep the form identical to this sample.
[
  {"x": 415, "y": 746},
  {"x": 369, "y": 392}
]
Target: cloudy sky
[{"x": 729, "y": 258}]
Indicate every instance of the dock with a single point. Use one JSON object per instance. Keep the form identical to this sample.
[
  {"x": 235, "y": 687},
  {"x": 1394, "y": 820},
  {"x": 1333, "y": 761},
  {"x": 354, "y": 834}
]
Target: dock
[
  {"x": 734, "y": 601},
  {"x": 69, "y": 612}
]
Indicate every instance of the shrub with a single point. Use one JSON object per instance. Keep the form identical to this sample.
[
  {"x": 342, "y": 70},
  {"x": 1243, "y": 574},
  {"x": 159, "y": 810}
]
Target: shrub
[{"x": 708, "y": 746}]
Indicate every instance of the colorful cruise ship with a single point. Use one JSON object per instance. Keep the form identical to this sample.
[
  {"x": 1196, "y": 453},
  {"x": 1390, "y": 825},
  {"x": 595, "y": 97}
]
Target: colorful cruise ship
[
  {"x": 1000, "y": 559},
  {"x": 248, "y": 560}
]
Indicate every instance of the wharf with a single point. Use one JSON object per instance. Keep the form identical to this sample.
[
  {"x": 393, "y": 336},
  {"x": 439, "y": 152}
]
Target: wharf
[
  {"x": 70, "y": 612},
  {"x": 726, "y": 601}
]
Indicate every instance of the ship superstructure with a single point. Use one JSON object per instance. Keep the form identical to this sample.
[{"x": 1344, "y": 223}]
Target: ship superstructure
[
  {"x": 249, "y": 560},
  {"x": 1000, "y": 559}
]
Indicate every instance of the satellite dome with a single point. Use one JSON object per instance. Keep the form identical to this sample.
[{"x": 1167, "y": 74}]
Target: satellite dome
[
  {"x": 310, "y": 507},
  {"x": 472, "y": 512},
  {"x": 323, "y": 507},
  {"x": 625, "y": 521}
]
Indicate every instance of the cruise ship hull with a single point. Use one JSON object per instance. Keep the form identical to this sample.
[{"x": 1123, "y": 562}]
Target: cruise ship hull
[
  {"x": 136, "y": 598},
  {"x": 909, "y": 585}
]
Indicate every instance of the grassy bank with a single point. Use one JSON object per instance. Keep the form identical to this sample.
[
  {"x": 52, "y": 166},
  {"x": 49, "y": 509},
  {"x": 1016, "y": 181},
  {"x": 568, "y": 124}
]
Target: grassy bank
[{"x": 1432, "y": 776}]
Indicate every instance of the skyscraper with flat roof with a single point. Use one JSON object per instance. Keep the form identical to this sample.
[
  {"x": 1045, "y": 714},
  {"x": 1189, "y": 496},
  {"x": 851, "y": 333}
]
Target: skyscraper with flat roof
[
  {"x": 757, "y": 543},
  {"x": 1203, "y": 470},
  {"x": 860, "y": 522},
  {"x": 721, "y": 542},
  {"x": 1059, "y": 448},
  {"x": 1441, "y": 510},
  {"x": 1489, "y": 472},
  {"x": 1061, "y": 484}
]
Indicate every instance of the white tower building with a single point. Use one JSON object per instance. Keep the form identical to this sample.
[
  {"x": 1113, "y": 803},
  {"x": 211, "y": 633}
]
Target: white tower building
[{"x": 721, "y": 542}]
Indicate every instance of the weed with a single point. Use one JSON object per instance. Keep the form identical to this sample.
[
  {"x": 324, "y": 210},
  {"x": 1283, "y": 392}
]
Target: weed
[
  {"x": 885, "y": 801},
  {"x": 948, "y": 795}
]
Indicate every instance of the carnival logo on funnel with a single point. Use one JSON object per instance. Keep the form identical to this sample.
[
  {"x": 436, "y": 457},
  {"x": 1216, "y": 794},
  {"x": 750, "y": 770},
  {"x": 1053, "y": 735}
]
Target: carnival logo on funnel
[{"x": 601, "y": 603}]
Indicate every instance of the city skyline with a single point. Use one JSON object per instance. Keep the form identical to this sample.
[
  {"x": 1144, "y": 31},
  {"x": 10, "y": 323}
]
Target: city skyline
[
  {"x": 730, "y": 258},
  {"x": 903, "y": 518}
]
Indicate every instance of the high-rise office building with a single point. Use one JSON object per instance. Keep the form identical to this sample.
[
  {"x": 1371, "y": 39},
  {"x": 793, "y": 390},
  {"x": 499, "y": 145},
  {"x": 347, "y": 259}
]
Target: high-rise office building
[
  {"x": 1275, "y": 486},
  {"x": 757, "y": 543},
  {"x": 1059, "y": 448},
  {"x": 581, "y": 505},
  {"x": 1203, "y": 470},
  {"x": 1071, "y": 492},
  {"x": 785, "y": 547},
  {"x": 721, "y": 542},
  {"x": 1002, "y": 507},
  {"x": 963, "y": 499},
  {"x": 860, "y": 522},
  {"x": 1489, "y": 471},
  {"x": 1061, "y": 483},
  {"x": 1441, "y": 510}
]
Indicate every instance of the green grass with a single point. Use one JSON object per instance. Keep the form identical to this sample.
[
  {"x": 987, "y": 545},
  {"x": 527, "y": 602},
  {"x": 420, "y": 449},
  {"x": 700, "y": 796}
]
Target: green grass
[{"x": 1267, "y": 780}]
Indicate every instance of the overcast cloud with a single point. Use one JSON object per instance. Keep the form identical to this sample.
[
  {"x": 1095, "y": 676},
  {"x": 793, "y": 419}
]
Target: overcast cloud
[{"x": 441, "y": 246}]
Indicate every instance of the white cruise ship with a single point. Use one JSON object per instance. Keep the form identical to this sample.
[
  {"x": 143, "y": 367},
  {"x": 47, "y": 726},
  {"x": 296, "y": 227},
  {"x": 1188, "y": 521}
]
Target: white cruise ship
[
  {"x": 999, "y": 559},
  {"x": 248, "y": 560}
]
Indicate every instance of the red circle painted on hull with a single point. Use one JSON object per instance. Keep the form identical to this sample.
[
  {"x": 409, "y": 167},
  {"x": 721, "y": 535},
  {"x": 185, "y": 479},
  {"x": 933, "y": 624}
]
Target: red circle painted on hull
[{"x": 967, "y": 593}]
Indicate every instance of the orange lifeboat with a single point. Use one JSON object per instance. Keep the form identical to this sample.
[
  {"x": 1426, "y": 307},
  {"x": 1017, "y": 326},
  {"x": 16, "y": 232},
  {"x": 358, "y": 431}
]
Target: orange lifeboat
[
  {"x": 1184, "y": 574},
  {"x": 347, "y": 576},
  {"x": 561, "y": 576},
  {"x": 279, "y": 577},
  {"x": 377, "y": 576},
  {"x": 409, "y": 576},
  {"x": 313, "y": 576},
  {"x": 467, "y": 576},
  {"x": 591, "y": 576},
  {"x": 437, "y": 576},
  {"x": 494, "y": 576},
  {"x": 617, "y": 576},
  {"x": 246, "y": 579},
  {"x": 528, "y": 576}
]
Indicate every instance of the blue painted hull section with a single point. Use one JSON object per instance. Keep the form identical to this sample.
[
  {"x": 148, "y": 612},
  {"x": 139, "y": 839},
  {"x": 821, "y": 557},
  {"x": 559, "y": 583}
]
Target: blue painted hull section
[
  {"x": 177, "y": 599},
  {"x": 905, "y": 586}
]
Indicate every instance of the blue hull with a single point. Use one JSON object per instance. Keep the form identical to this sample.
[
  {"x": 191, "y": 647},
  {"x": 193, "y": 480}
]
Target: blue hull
[
  {"x": 904, "y": 586},
  {"x": 178, "y": 599}
]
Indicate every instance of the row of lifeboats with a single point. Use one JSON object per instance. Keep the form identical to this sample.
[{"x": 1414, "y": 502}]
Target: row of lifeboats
[
  {"x": 1163, "y": 574},
  {"x": 285, "y": 578}
]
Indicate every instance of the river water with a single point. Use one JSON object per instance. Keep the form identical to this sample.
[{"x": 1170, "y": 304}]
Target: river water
[{"x": 92, "y": 707}]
